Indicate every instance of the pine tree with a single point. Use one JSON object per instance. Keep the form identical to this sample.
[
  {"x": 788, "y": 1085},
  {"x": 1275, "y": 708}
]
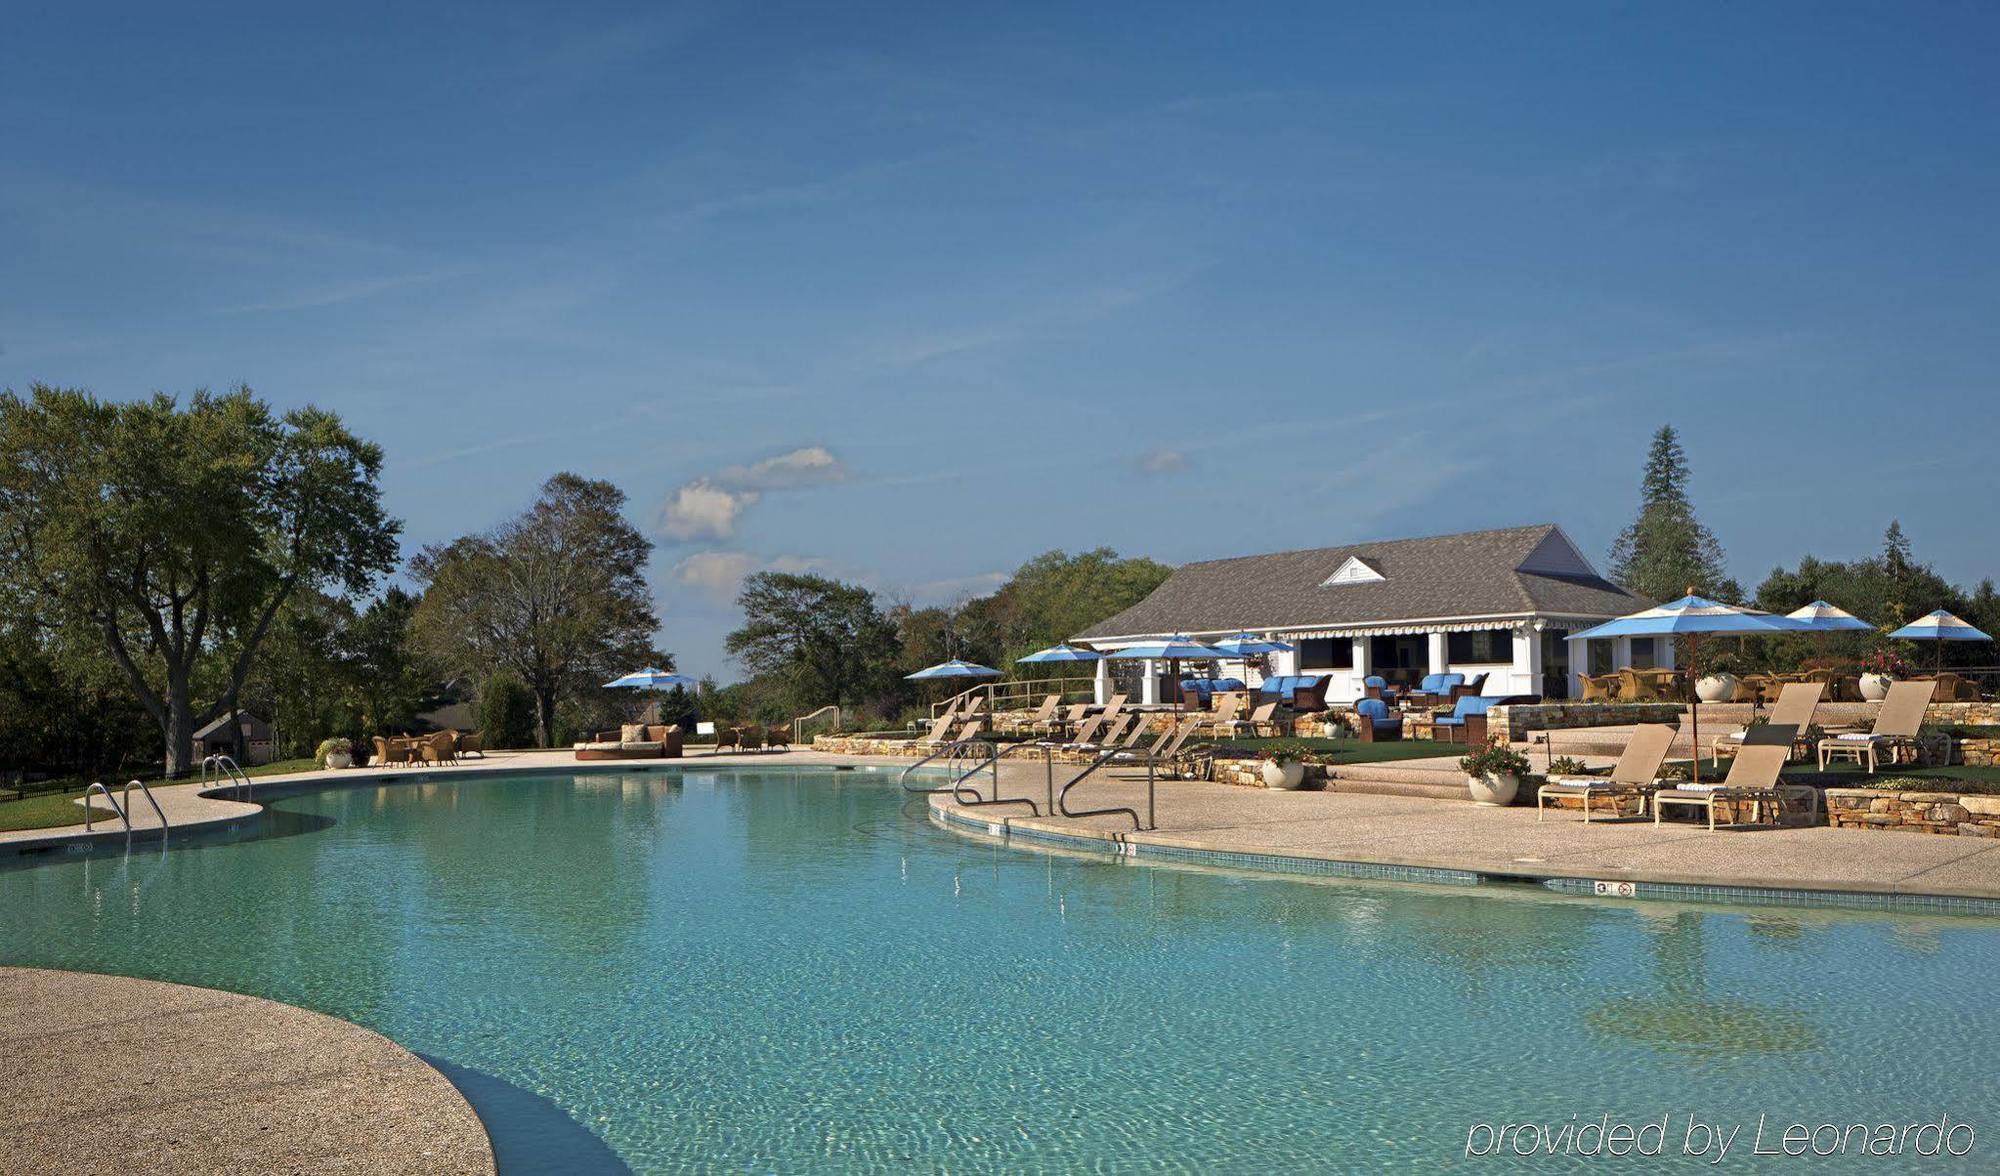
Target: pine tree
[
  {"x": 1666, "y": 550},
  {"x": 1898, "y": 567}
]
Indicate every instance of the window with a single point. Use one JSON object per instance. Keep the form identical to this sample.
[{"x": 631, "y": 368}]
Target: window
[
  {"x": 1645, "y": 652},
  {"x": 1480, "y": 646},
  {"x": 1319, "y": 654}
]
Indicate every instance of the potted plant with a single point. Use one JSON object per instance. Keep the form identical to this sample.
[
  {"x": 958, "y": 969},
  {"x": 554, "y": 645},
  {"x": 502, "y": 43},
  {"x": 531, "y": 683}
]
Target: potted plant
[
  {"x": 1878, "y": 671},
  {"x": 1494, "y": 772},
  {"x": 1283, "y": 769},
  {"x": 336, "y": 752},
  {"x": 1719, "y": 682}
]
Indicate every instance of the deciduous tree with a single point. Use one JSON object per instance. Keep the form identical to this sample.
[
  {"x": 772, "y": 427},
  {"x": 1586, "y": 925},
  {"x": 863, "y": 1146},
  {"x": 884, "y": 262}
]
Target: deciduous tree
[{"x": 176, "y": 532}]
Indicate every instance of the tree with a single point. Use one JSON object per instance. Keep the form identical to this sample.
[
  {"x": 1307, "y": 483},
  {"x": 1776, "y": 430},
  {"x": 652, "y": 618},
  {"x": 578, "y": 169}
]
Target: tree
[
  {"x": 1053, "y": 597},
  {"x": 821, "y": 640},
  {"x": 177, "y": 533},
  {"x": 558, "y": 596},
  {"x": 506, "y": 711},
  {"x": 1666, "y": 550}
]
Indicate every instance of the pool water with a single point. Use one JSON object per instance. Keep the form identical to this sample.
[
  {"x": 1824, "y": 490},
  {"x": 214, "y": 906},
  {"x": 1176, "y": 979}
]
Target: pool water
[{"x": 783, "y": 970}]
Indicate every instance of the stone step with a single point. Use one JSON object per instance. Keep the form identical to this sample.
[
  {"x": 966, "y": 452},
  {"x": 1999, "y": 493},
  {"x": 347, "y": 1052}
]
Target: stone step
[{"x": 1443, "y": 783}]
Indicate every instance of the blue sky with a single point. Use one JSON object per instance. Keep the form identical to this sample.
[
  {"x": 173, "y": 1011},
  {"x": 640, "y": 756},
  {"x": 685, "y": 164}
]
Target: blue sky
[{"x": 909, "y": 293}]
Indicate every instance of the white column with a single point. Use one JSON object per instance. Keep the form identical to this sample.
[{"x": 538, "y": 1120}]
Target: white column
[
  {"x": 1100, "y": 687},
  {"x": 1363, "y": 651},
  {"x": 1149, "y": 687},
  {"x": 1664, "y": 649},
  {"x": 1621, "y": 653},
  {"x": 1439, "y": 663},
  {"x": 1579, "y": 664},
  {"x": 1527, "y": 668}
]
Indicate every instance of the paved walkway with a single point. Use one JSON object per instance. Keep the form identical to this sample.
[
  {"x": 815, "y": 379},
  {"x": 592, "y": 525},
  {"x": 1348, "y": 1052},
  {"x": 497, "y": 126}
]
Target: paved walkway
[
  {"x": 1459, "y": 835},
  {"x": 109, "y": 1074}
]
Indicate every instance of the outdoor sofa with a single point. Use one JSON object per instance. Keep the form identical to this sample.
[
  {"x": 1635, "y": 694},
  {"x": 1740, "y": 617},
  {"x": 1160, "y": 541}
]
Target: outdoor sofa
[
  {"x": 632, "y": 741},
  {"x": 1301, "y": 692}
]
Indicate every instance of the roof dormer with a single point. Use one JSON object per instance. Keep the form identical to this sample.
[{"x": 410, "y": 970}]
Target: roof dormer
[{"x": 1355, "y": 571}]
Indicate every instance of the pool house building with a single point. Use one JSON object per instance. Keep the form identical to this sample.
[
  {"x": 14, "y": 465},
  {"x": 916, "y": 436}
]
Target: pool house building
[{"x": 1499, "y": 603}]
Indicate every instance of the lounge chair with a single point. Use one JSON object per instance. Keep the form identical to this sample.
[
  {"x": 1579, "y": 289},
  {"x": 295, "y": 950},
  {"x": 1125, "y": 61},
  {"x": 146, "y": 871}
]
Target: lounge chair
[
  {"x": 1753, "y": 777},
  {"x": 1263, "y": 720},
  {"x": 1600, "y": 687},
  {"x": 1896, "y": 726},
  {"x": 1223, "y": 721},
  {"x": 1637, "y": 771},
  {"x": 1029, "y": 720},
  {"x": 1467, "y": 721},
  {"x": 1795, "y": 707},
  {"x": 1374, "y": 722},
  {"x": 1069, "y": 720},
  {"x": 1106, "y": 734}
]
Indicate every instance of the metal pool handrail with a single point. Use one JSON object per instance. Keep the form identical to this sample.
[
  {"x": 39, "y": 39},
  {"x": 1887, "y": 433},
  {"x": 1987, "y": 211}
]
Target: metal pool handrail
[
  {"x": 127, "y": 808},
  {"x": 98, "y": 786},
  {"x": 992, "y": 761},
  {"x": 1105, "y": 757},
  {"x": 226, "y": 767},
  {"x": 954, "y": 750}
]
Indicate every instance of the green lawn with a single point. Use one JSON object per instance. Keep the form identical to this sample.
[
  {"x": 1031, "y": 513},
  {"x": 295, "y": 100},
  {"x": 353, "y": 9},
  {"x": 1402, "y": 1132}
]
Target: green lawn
[
  {"x": 51, "y": 806},
  {"x": 1973, "y": 773},
  {"x": 1354, "y": 751},
  {"x": 48, "y": 810}
]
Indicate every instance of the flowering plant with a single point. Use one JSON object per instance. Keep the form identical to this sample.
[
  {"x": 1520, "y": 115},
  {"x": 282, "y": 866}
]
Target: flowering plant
[
  {"x": 1886, "y": 663},
  {"x": 1494, "y": 759}
]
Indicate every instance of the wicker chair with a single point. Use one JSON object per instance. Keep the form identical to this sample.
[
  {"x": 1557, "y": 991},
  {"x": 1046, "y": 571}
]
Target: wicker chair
[
  {"x": 469, "y": 743},
  {"x": 751, "y": 738},
  {"x": 725, "y": 738},
  {"x": 778, "y": 735},
  {"x": 1600, "y": 687}
]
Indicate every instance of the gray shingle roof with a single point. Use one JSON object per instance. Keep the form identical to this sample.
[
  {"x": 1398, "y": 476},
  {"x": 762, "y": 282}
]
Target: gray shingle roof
[{"x": 1476, "y": 574}]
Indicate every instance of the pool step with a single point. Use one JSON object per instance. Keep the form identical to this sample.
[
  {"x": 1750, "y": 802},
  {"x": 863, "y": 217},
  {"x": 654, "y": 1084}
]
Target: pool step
[{"x": 1390, "y": 779}]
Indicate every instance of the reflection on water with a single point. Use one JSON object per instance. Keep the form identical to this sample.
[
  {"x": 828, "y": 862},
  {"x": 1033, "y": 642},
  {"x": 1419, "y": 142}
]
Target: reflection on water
[{"x": 785, "y": 970}]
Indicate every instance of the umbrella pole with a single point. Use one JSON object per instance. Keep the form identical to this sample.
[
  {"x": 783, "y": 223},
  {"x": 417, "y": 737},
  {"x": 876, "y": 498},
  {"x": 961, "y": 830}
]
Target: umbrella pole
[{"x": 1694, "y": 701}]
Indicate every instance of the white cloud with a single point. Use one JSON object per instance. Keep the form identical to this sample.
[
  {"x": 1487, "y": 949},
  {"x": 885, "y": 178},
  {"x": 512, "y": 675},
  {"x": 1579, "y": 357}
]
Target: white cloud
[
  {"x": 701, "y": 509},
  {"x": 716, "y": 573},
  {"x": 811, "y": 465},
  {"x": 708, "y": 507},
  {"x": 1162, "y": 461}
]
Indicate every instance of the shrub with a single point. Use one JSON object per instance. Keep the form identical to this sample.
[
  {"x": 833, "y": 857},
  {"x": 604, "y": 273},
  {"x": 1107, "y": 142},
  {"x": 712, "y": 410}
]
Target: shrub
[
  {"x": 1567, "y": 765},
  {"x": 506, "y": 712}
]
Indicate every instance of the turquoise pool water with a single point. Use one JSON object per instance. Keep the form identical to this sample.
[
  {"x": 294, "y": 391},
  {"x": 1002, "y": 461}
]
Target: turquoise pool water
[{"x": 792, "y": 970}]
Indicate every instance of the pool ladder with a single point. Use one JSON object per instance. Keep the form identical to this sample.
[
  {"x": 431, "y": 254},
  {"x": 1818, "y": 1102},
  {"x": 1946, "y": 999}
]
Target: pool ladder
[
  {"x": 954, "y": 753},
  {"x": 124, "y": 809},
  {"x": 226, "y": 771}
]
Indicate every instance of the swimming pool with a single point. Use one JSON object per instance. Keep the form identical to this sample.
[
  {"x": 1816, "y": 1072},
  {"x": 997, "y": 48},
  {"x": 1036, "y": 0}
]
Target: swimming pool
[{"x": 793, "y": 969}]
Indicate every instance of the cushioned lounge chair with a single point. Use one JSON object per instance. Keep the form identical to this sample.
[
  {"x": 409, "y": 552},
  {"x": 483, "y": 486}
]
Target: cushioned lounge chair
[
  {"x": 1752, "y": 779},
  {"x": 1637, "y": 771},
  {"x": 1377, "y": 687},
  {"x": 1896, "y": 727},
  {"x": 1795, "y": 707},
  {"x": 632, "y": 741}
]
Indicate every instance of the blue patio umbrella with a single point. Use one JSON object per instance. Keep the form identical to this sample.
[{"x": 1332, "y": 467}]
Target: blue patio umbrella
[
  {"x": 1695, "y": 617},
  {"x": 1940, "y": 626},
  {"x": 1174, "y": 650},
  {"x": 1062, "y": 652},
  {"x": 1250, "y": 645},
  {"x": 651, "y": 679},
  {"x": 1821, "y": 617},
  {"x": 954, "y": 668}
]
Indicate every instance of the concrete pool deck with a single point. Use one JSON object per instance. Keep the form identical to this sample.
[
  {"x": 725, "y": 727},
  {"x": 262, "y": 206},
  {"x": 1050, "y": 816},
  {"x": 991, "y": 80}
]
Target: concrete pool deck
[
  {"x": 1429, "y": 834},
  {"x": 106, "y": 1073}
]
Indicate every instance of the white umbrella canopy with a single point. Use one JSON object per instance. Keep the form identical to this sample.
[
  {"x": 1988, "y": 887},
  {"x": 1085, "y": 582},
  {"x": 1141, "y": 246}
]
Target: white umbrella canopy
[{"x": 1940, "y": 626}]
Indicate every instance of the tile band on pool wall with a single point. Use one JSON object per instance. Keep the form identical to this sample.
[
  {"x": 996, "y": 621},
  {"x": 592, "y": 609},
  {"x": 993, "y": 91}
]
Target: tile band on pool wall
[{"x": 1283, "y": 864}]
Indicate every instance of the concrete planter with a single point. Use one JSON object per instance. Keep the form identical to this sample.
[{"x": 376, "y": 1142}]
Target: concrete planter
[
  {"x": 1716, "y": 687},
  {"x": 339, "y": 759},
  {"x": 1494, "y": 788},
  {"x": 1285, "y": 777},
  {"x": 1875, "y": 687}
]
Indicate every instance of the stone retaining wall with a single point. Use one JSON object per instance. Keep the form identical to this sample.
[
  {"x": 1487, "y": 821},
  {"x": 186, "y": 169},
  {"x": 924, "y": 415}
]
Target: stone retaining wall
[
  {"x": 1914, "y": 812},
  {"x": 1513, "y": 722}
]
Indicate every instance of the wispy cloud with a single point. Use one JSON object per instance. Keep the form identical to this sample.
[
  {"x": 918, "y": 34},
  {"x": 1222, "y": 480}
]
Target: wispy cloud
[
  {"x": 340, "y": 293},
  {"x": 1161, "y": 461},
  {"x": 709, "y": 507}
]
